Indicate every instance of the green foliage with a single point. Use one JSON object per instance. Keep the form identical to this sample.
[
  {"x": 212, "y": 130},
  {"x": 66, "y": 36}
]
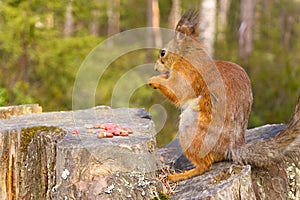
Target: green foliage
[
  {"x": 4, "y": 96},
  {"x": 59, "y": 61},
  {"x": 38, "y": 64}
]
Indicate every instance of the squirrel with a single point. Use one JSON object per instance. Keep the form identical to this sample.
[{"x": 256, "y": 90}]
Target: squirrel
[{"x": 216, "y": 98}]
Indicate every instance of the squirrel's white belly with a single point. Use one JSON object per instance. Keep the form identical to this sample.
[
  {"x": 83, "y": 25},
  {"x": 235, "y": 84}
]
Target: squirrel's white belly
[{"x": 188, "y": 124}]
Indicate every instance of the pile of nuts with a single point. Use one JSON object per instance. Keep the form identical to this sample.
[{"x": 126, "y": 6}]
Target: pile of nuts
[{"x": 107, "y": 130}]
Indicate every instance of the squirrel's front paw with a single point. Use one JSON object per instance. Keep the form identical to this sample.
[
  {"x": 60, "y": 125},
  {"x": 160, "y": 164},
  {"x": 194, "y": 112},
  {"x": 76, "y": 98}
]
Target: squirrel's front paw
[{"x": 154, "y": 82}]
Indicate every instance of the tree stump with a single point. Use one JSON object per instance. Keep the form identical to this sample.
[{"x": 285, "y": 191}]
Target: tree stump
[{"x": 41, "y": 158}]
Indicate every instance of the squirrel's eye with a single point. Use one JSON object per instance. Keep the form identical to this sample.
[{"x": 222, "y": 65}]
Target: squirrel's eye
[{"x": 163, "y": 53}]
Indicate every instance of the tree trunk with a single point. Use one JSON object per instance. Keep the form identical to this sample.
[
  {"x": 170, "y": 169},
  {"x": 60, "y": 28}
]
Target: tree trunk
[
  {"x": 69, "y": 21},
  {"x": 208, "y": 24},
  {"x": 155, "y": 23},
  {"x": 94, "y": 26},
  {"x": 290, "y": 21},
  {"x": 153, "y": 35},
  {"x": 113, "y": 15},
  {"x": 246, "y": 28},
  {"x": 50, "y": 20},
  {"x": 175, "y": 14},
  {"x": 23, "y": 60},
  {"x": 149, "y": 38},
  {"x": 222, "y": 18}
]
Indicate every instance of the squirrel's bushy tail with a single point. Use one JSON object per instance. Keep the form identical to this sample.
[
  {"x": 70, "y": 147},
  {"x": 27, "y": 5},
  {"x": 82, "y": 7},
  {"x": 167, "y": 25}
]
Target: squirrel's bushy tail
[{"x": 284, "y": 146}]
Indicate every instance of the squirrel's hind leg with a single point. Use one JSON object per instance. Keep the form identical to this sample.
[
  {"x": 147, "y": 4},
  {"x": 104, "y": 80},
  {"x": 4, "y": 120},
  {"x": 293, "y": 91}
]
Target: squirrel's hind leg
[{"x": 198, "y": 170}]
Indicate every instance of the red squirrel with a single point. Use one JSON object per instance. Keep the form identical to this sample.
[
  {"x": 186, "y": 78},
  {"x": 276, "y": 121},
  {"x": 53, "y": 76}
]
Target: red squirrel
[{"x": 215, "y": 97}]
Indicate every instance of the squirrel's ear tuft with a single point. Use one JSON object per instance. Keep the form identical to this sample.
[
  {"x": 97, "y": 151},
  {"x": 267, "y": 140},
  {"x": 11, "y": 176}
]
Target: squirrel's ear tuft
[{"x": 189, "y": 23}]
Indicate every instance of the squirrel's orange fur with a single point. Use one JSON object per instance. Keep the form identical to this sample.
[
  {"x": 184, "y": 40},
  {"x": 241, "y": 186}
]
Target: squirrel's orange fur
[
  {"x": 215, "y": 98},
  {"x": 190, "y": 72}
]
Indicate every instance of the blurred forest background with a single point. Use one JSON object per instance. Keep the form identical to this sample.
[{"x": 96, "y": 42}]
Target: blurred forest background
[{"x": 43, "y": 44}]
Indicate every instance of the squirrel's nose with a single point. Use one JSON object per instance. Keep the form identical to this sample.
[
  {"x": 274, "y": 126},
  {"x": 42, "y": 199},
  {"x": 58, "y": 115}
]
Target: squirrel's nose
[
  {"x": 156, "y": 67},
  {"x": 159, "y": 67}
]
